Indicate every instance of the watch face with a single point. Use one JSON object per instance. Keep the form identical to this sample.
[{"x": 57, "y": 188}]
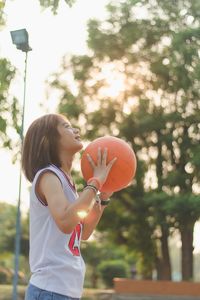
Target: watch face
[
  {"x": 102, "y": 202},
  {"x": 105, "y": 202},
  {"x": 98, "y": 200}
]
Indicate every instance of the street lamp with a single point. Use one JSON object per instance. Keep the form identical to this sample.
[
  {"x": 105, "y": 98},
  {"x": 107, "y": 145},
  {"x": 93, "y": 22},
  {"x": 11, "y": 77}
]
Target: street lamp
[{"x": 20, "y": 39}]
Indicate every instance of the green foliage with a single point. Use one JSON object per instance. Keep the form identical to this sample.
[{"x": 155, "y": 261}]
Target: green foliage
[
  {"x": 185, "y": 209},
  {"x": 9, "y": 107},
  {"x": 5, "y": 276},
  {"x": 70, "y": 105},
  {"x": 7, "y": 242},
  {"x": 81, "y": 66},
  {"x": 53, "y": 4},
  {"x": 131, "y": 225},
  {"x": 111, "y": 269},
  {"x": 7, "y": 290},
  {"x": 2, "y": 15},
  {"x": 154, "y": 57},
  {"x": 8, "y": 227},
  {"x": 7, "y": 221},
  {"x": 98, "y": 251}
]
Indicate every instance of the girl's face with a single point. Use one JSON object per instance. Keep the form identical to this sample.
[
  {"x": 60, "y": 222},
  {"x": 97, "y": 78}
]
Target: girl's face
[{"x": 70, "y": 140}]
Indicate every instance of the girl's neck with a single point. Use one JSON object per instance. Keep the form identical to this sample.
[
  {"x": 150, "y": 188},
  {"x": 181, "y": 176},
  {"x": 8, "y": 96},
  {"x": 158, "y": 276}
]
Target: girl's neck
[
  {"x": 66, "y": 165},
  {"x": 66, "y": 162},
  {"x": 66, "y": 168}
]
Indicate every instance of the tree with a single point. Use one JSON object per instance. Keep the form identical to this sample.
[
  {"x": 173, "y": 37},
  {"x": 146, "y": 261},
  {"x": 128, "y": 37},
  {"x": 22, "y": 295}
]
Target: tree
[
  {"x": 149, "y": 52},
  {"x": 7, "y": 239},
  {"x": 111, "y": 269},
  {"x": 53, "y": 4},
  {"x": 8, "y": 223},
  {"x": 2, "y": 17},
  {"x": 9, "y": 107},
  {"x": 102, "y": 251}
]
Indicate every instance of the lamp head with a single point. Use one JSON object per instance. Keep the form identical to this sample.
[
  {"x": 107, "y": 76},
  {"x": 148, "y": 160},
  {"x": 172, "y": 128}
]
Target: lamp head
[{"x": 20, "y": 39}]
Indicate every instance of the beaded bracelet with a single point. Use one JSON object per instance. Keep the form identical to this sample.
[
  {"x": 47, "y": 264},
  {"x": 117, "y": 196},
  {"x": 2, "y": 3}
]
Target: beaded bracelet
[
  {"x": 97, "y": 182},
  {"x": 92, "y": 187}
]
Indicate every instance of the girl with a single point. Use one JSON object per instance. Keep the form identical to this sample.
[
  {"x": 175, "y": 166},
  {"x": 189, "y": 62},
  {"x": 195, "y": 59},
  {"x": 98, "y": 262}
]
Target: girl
[{"x": 59, "y": 217}]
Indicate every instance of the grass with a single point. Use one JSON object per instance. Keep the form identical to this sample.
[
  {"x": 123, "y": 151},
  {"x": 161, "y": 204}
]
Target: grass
[
  {"x": 6, "y": 292},
  {"x": 93, "y": 294},
  {"x": 89, "y": 294}
]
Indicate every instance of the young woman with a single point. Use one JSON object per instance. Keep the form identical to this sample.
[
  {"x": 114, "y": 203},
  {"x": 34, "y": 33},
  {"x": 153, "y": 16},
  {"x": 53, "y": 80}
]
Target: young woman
[{"x": 59, "y": 217}]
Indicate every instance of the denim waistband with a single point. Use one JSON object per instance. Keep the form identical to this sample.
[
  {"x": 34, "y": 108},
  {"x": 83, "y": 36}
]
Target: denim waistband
[{"x": 35, "y": 293}]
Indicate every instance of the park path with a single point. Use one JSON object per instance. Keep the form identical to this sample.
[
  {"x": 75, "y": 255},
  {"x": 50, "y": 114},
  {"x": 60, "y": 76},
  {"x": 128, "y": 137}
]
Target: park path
[{"x": 144, "y": 297}]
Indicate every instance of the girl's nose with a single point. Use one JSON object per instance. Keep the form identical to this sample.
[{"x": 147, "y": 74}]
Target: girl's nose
[{"x": 76, "y": 130}]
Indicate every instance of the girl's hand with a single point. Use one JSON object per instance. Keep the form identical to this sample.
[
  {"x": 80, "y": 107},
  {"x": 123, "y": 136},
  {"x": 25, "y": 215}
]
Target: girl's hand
[
  {"x": 101, "y": 169},
  {"x": 105, "y": 195}
]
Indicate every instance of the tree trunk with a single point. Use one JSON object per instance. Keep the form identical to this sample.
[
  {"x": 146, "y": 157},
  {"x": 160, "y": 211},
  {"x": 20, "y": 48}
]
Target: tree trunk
[
  {"x": 163, "y": 263},
  {"x": 187, "y": 251},
  {"x": 94, "y": 278},
  {"x": 166, "y": 263},
  {"x": 146, "y": 267}
]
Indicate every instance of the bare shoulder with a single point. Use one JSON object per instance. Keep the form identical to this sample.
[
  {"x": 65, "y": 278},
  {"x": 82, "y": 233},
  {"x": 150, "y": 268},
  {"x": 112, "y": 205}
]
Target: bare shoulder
[
  {"x": 48, "y": 184},
  {"x": 48, "y": 178},
  {"x": 52, "y": 193}
]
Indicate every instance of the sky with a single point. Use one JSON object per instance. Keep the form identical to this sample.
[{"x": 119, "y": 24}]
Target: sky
[{"x": 50, "y": 37}]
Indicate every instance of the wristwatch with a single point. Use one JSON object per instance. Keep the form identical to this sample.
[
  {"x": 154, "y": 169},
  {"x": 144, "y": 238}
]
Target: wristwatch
[{"x": 102, "y": 202}]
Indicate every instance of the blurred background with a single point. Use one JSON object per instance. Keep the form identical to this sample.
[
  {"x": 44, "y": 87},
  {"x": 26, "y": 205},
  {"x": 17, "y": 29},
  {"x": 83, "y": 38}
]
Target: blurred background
[{"x": 127, "y": 68}]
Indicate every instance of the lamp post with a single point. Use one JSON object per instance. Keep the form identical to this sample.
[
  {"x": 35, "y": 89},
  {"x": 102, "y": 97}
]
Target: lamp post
[{"x": 20, "y": 39}]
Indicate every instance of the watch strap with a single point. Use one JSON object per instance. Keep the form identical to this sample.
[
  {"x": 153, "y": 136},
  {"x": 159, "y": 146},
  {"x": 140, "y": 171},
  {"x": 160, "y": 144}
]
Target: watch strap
[
  {"x": 102, "y": 202},
  {"x": 105, "y": 202}
]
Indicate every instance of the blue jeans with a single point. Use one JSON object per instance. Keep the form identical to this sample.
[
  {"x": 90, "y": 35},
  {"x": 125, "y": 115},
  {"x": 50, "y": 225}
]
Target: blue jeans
[{"x": 35, "y": 293}]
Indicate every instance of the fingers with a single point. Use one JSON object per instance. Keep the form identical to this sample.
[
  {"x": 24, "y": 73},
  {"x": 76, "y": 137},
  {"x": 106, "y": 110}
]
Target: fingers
[
  {"x": 91, "y": 161},
  {"x": 101, "y": 159},
  {"x": 111, "y": 163},
  {"x": 104, "y": 158}
]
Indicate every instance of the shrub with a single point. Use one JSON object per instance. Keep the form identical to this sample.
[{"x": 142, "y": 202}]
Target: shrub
[
  {"x": 111, "y": 269},
  {"x": 5, "y": 276}
]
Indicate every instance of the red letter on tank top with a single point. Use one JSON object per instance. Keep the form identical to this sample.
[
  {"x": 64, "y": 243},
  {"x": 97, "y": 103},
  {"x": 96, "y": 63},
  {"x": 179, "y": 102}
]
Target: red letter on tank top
[{"x": 74, "y": 241}]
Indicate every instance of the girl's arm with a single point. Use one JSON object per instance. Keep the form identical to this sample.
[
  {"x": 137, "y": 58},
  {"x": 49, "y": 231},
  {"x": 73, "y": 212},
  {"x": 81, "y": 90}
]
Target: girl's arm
[
  {"x": 92, "y": 219},
  {"x": 65, "y": 214}
]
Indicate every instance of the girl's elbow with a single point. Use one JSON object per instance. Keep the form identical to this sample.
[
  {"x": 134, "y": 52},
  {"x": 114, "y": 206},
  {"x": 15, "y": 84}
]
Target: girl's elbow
[
  {"x": 66, "y": 228},
  {"x": 86, "y": 236}
]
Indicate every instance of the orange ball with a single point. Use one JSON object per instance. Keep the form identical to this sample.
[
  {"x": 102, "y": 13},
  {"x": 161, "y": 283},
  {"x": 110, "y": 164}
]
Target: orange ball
[{"x": 123, "y": 170}]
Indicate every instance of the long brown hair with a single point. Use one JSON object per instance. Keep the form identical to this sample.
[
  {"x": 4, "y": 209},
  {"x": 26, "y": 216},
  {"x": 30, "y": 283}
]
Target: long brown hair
[{"x": 40, "y": 146}]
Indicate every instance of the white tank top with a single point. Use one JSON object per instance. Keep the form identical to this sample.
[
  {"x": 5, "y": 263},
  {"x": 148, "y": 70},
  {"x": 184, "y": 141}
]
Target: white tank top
[{"x": 55, "y": 259}]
